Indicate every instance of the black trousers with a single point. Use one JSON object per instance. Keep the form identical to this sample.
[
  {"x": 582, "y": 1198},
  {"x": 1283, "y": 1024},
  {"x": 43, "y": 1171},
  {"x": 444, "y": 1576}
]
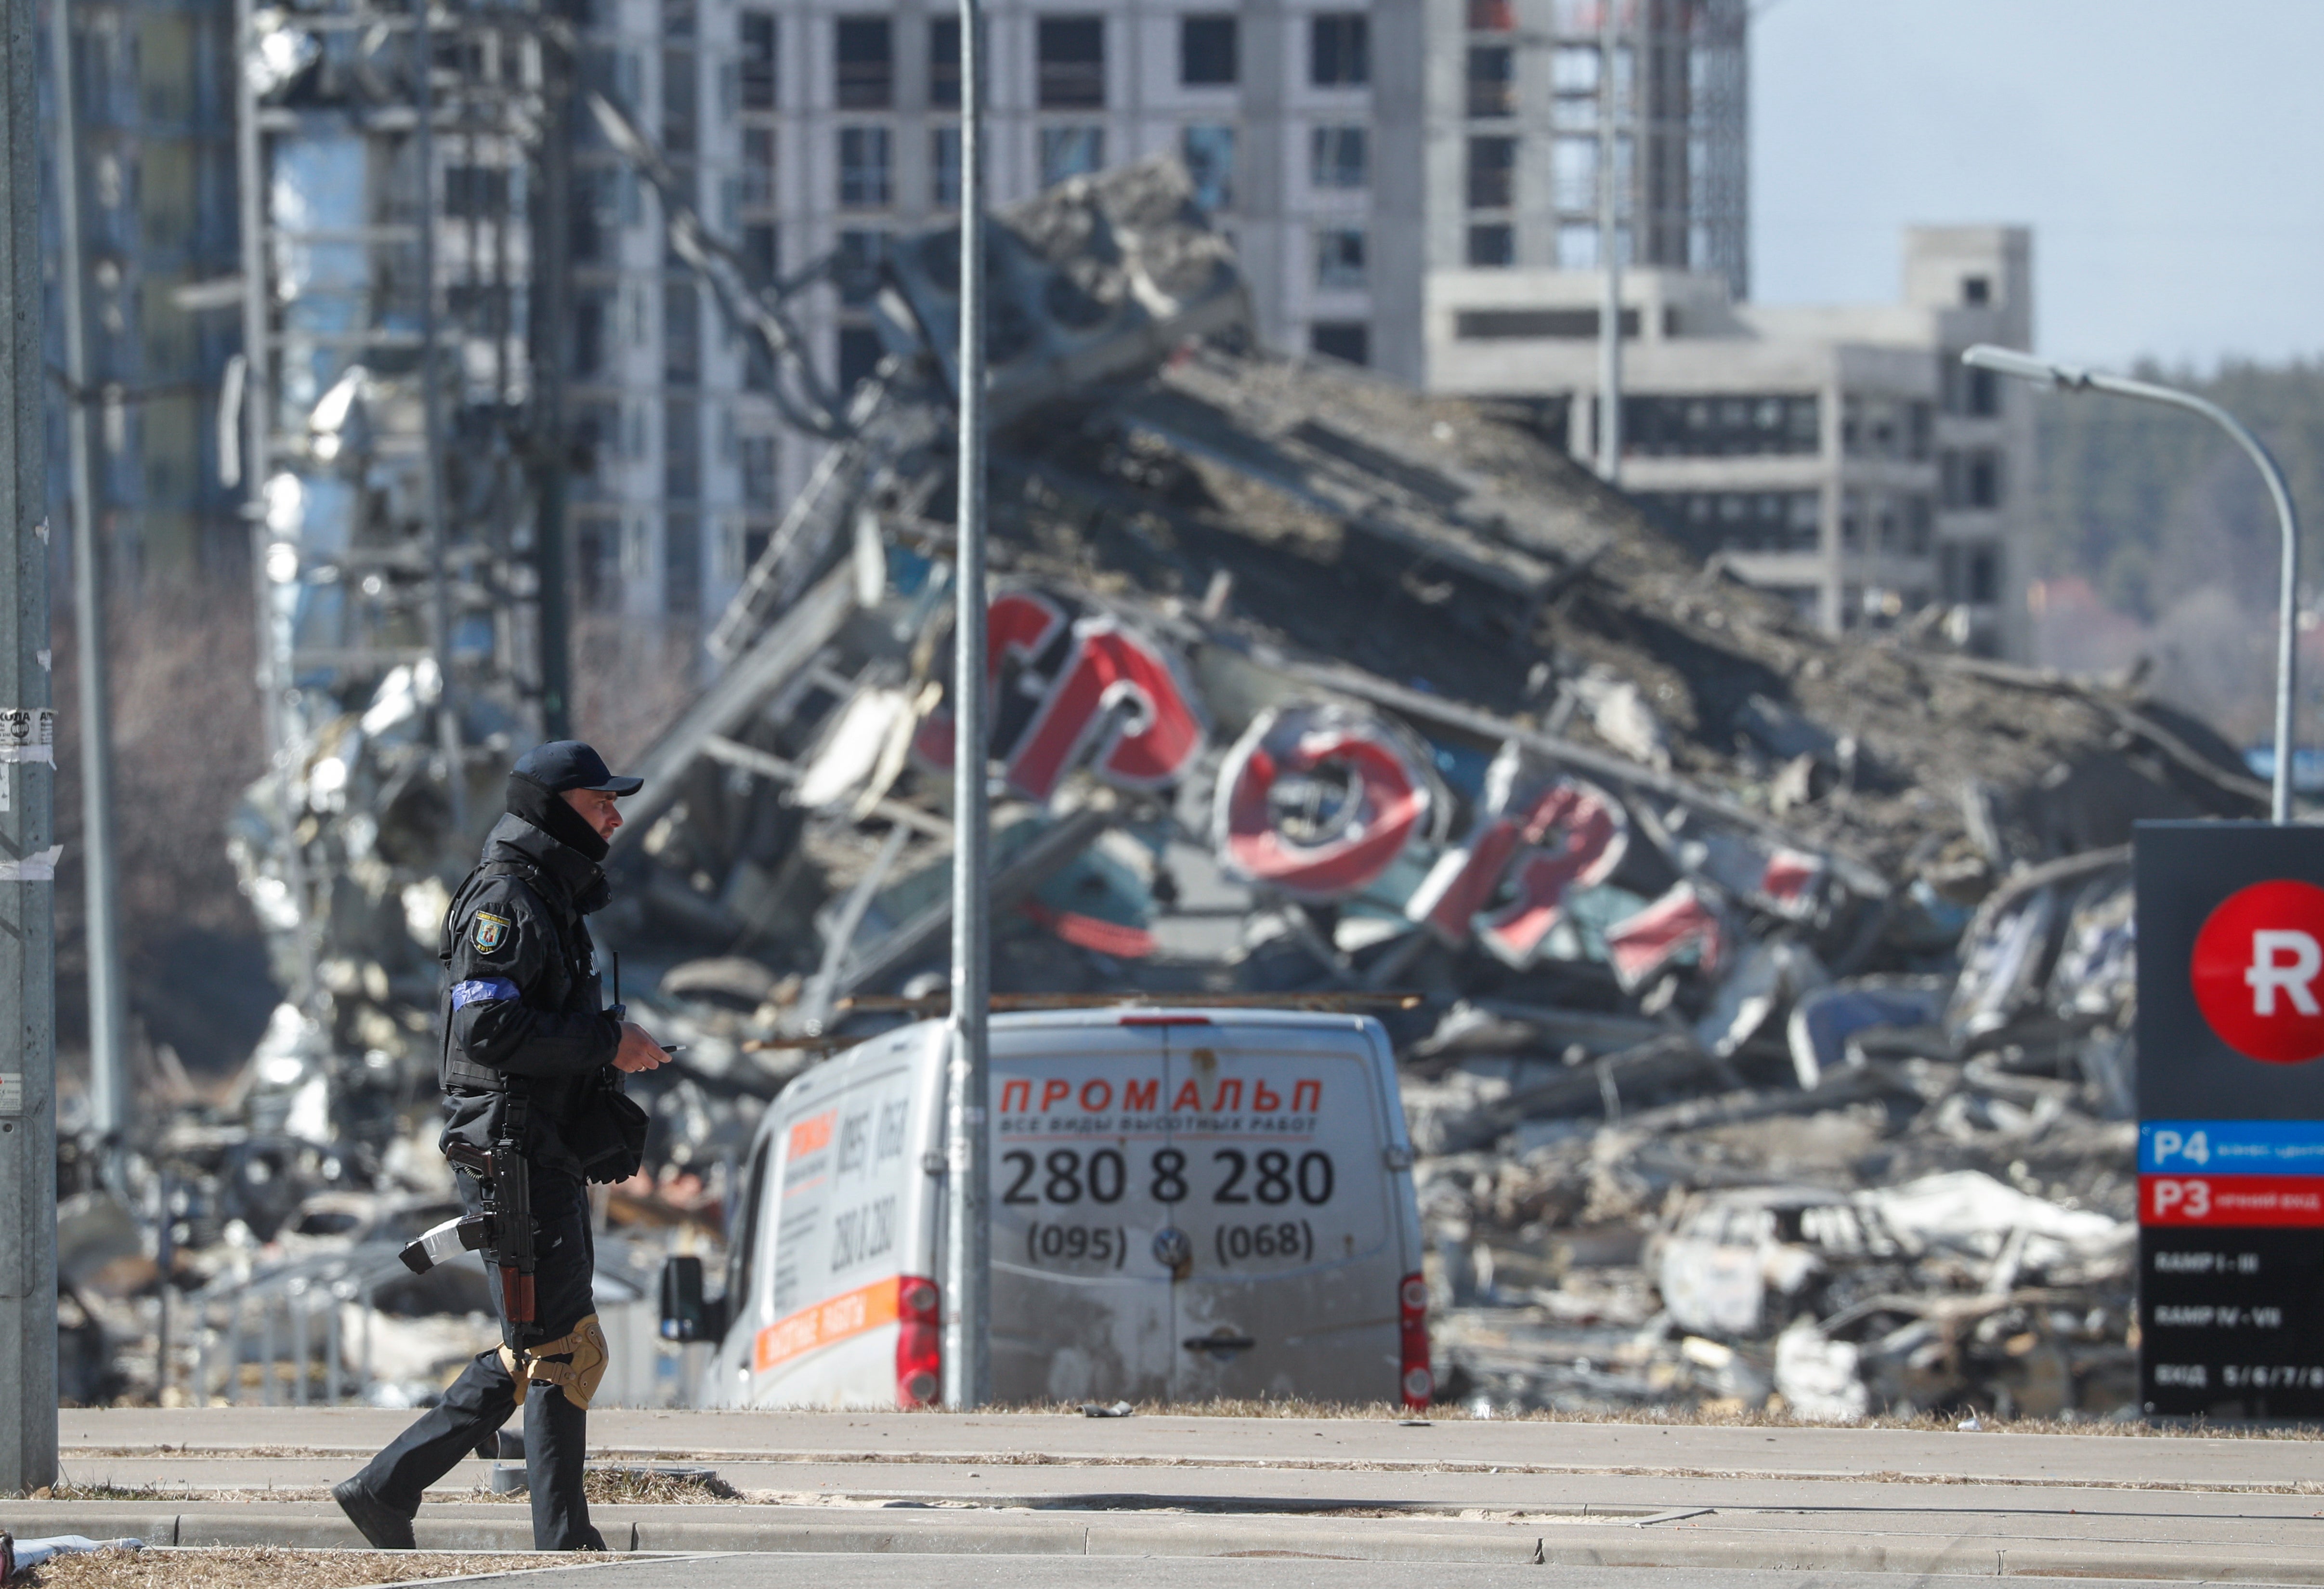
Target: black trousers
[{"x": 485, "y": 1396}]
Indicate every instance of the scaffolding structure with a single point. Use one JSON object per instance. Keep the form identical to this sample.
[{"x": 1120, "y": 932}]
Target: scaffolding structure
[{"x": 397, "y": 172}]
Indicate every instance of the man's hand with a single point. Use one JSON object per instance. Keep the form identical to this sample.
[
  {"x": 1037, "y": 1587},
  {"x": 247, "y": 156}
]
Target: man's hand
[{"x": 638, "y": 1051}]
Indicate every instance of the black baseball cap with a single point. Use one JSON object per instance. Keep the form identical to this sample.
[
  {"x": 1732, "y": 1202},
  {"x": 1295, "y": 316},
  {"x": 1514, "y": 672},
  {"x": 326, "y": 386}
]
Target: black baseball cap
[{"x": 563, "y": 764}]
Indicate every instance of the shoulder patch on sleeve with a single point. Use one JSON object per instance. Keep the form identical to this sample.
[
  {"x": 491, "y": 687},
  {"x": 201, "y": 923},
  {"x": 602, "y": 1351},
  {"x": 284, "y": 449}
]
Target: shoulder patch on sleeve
[{"x": 490, "y": 932}]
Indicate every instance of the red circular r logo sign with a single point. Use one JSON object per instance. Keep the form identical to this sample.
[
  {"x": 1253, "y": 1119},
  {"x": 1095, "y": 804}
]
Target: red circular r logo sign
[{"x": 2258, "y": 970}]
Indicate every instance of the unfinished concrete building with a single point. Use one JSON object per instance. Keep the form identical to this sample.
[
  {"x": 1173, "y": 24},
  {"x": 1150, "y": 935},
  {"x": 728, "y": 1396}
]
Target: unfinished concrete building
[{"x": 1840, "y": 456}]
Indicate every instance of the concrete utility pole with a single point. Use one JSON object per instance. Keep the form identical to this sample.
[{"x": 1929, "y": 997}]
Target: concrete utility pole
[
  {"x": 431, "y": 408},
  {"x": 28, "y": 1121},
  {"x": 108, "y": 1007},
  {"x": 1610, "y": 258},
  {"x": 2025, "y": 366},
  {"x": 968, "y": 1266},
  {"x": 552, "y": 310}
]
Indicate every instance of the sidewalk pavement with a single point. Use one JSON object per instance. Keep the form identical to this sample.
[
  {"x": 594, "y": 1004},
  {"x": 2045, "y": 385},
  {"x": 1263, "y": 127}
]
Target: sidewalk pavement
[{"x": 1584, "y": 1494}]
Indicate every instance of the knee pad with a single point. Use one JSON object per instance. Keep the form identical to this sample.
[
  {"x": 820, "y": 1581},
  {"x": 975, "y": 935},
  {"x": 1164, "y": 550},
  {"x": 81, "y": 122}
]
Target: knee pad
[{"x": 584, "y": 1349}]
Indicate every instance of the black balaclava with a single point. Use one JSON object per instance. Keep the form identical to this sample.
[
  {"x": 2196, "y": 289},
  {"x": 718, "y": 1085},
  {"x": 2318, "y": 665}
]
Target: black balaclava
[{"x": 550, "y": 813}]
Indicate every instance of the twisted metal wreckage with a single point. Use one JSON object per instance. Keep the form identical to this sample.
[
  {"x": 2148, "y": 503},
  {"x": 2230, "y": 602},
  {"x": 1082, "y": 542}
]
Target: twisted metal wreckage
[{"x": 1771, "y": 1035}]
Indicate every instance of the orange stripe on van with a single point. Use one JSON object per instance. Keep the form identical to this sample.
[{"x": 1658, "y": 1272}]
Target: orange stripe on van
[
  {"x": 834, "y": 1319},
  {"x": 811, "y": 1133}
]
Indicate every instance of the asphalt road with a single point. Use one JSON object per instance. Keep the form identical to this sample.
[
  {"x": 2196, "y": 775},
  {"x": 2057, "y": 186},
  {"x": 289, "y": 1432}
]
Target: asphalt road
[{"x": 1005, "y": 1497}]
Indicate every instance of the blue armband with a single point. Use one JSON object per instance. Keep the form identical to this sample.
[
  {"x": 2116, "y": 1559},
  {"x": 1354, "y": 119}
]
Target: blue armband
[{"x": 464, "y": 993}]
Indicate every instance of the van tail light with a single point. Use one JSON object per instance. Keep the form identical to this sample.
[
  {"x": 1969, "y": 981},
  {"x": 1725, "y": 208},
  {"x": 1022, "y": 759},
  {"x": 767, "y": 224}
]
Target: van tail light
[
  {"x": 1412, "y": 1313},
  {"x": 919, "y": 1343}
]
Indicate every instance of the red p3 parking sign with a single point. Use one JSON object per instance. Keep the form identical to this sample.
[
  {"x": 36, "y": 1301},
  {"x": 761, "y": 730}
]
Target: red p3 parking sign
[{"x": 2258, "y": 970}]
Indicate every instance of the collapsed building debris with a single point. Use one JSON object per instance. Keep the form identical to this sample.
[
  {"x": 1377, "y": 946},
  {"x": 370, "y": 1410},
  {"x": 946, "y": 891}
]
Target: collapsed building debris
[{"x": 1771, "y": 1037}]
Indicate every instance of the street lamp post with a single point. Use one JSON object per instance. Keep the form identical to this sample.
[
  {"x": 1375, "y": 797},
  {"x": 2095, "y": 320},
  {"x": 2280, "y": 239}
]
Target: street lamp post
[
  {"x": 968, "y": 1276},
  {"x": 2025, "y": 366}
]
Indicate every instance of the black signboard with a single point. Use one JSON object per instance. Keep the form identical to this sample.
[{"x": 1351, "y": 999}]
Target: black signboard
[{"x": 2231, "y": 1119}]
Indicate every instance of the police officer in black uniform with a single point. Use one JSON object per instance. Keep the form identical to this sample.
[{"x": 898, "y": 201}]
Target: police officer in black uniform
[{"x": 530, "y": 1057}]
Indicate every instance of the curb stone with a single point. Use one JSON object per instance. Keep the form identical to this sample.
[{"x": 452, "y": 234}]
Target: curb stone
[{"x": 682, "y": 1531}]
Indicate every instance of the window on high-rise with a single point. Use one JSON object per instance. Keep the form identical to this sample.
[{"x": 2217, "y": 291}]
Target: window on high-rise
[
  {"x": 860, "y": 353},
  {"x": 761, "y": 257},
  {"x": 1340, "y": 258},
  {"x": 681, "y": 555},
  {"x": 1983, "y": 581},
  {"x": 681, "y": 449},
  {"x": 1738, "y": 425},
  {"x": 1491, "y": 16},
  {"x": 864, "y": 166},
  {"x": 1573, "y": 84},
  {"x": 860, "y": 255},
  {"x": 944, "y": 61},
  {"x": 1071, "y": 58},
  {"x": 1711, "y": 522},
  {"x": 1574, "y": 69},
  {"x": 1338, "y": 50},
  {"x": 1339, "y": 157},
  {"x": 593, "y": 331},
  {"x": 865, "y": 64},
  {"x": 1209, "y": 154},
  {"x": 757, "y": 461},
  {"x": 758, "y": 64},
  {"x": 944, "y": 167},
  {"x": 476, "y": 192},
  {"x": 1493, "y": 246},
  {"x": 1071, "y": 152},
  {"x": 1976, "y": 393},
  {"x": 1573, "y": 173},
  {"x": 1971, "y": 480},
  {"x": 679, "y": 107},
  {"x": 681, "y": 334},
  {"x": 1492, "y": 82},
  {"x": 1349, "y": 341},
  {"x": 1886, "y": 427},
  {"x": 758, "y": 167},
  {"x": 1920, "y": 520},
  {"x": 1492, "y": 173},
  {"x": 1208, "y": 50}
]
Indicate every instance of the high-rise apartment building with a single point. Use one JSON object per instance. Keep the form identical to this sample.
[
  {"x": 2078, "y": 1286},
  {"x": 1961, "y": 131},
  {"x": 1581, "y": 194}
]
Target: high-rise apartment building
[
  {"x": 153, "y": 134},
  {"x": 1349, "y": 150}
]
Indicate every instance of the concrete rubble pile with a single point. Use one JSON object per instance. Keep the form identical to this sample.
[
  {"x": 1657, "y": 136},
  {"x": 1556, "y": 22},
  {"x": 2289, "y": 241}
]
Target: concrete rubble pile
[
  {"x": 1766, "y": 996},
  {"x": 1771, "y": 1045}
]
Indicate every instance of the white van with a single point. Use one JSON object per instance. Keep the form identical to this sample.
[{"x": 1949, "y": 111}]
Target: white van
[{"x": 1187, "y": 1203}]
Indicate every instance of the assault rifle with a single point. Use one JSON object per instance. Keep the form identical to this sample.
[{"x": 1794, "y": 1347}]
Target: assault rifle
[{"x": 503, "y": 1230}]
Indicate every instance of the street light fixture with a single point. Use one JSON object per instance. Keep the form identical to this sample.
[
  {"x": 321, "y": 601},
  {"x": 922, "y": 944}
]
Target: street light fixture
[{"x": 2025, "y": 366}]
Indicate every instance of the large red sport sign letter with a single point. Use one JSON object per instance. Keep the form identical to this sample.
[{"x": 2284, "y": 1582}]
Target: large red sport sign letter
[{"x": 1072, "y": 687}]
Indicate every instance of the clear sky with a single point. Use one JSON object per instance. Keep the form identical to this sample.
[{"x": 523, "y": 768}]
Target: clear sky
[{"x": 2168, "y": 155}]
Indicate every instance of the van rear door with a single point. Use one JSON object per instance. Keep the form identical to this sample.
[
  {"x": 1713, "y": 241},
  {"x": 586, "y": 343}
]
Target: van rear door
[
  {"x": 847, "y": 1212},
  {"x": 1293, "y": 1242},
  {"x": 1081, "y": 1305}
]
